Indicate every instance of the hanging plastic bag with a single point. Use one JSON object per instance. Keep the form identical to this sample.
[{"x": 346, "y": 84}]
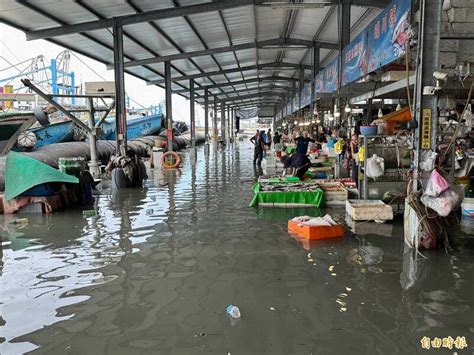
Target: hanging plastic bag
[
  {"x": 338, "y": 146},
  {"x": 428, "y": 158},
  {"x": 375, "y": 166},
  {"x": 444, "y": 204},
  {"x": 361, "y": 154},
  {"x": 436, "y": 184}
]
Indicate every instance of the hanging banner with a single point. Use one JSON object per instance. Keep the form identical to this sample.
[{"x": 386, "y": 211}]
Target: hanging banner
[
  {"x": 318, "y": 84},
  {"x": 306, "y": 94},
  {"x": 331, "y": 76},
  {"x": 354, "y": 59},
  {"x": 387, "y": 34}
]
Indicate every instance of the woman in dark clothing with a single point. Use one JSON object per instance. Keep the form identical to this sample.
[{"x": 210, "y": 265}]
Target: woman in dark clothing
[
  {"x": 259, "y": 148},
  {"x": 298, "y": 162}
]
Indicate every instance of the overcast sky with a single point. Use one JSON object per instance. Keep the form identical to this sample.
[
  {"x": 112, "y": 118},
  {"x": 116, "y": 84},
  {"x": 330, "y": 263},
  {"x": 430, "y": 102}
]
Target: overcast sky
[{"x": 14, "y": 49}]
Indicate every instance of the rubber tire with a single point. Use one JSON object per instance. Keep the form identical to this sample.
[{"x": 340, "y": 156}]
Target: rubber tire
[
  {"x": 118, "y": 179},
  {"x": 177, "y": 158},
  {"x": 41, "y": 117}
]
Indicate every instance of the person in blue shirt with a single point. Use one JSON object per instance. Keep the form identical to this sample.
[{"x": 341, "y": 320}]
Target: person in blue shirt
[{"x": 302, "y": 143}]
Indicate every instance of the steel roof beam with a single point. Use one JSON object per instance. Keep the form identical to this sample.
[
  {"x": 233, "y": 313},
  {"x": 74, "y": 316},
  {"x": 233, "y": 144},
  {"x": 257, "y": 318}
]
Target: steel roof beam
[
  {"x": 232, "y": 70},
  {"x": 136, "y": 18},
  {"x": 203, "y": 52},
  {"x": 246, "y": 97},
  {"x": 242, "y": 82}
]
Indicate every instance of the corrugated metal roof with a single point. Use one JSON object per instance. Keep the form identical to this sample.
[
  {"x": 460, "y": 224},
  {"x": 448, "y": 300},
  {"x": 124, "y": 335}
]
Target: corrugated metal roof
[{"x": 198, "y": 31}]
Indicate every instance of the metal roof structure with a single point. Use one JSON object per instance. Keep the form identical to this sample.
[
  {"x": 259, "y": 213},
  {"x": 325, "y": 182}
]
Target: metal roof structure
[{"x": 246, "y": 52}]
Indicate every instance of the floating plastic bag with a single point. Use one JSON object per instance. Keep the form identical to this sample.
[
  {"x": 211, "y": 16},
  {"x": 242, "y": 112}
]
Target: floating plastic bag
[
  {"x": 436, "y": 184},
  {"x": 444, "y": 204},
  {"x": 375, "y": 166}
]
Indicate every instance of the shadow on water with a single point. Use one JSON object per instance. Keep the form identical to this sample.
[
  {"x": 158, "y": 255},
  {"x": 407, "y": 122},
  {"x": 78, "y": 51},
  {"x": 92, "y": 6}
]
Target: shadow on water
[{"x": 153, "y": 271}]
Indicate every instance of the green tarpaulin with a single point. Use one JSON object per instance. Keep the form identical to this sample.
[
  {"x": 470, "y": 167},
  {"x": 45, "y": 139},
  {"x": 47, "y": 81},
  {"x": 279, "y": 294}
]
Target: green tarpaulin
[
  {"x": 290, "y": 199},
  {"x": 22, "y": 173}
]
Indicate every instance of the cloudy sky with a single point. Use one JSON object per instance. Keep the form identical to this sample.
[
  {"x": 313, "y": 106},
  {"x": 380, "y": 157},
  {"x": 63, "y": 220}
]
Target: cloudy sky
[{"x": 14, "y": 49}]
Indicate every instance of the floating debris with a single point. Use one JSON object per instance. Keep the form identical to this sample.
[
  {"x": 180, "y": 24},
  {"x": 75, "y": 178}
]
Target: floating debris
[
  {"x": 272, "y": 308},
  {"x": 331, "y": 268},
  {"x": 333, "y": 274},
  {"x": 348, "y": 289},
  {"x": 342, "y": 309},
  {"x": 341, "y": 302}
]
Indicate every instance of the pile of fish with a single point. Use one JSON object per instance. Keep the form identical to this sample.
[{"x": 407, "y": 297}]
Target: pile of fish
[{"x": 294, "y": 187}]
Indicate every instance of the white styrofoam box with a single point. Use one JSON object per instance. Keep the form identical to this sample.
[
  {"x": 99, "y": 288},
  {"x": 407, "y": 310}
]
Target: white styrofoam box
[
  {"x": 448, "y": 59},
  {"x": 395, "y": 75},
  {"x": 368, "y": 210},
  {"x": 100, "y": 87},
  {"x": 467, "y": 207},
  {"x": 461, "y": 14},
  {"x": 451, "y": 45}
]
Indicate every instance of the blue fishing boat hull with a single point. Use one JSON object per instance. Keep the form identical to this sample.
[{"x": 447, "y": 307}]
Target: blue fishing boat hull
[
  {"x": 137, "y": 126},
  {"x": 54, "y": 133}
]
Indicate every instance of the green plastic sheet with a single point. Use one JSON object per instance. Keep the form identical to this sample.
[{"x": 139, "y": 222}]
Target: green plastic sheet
[
  {"x": 282, "y": 198},
  {"x": 23, "y": 173}
]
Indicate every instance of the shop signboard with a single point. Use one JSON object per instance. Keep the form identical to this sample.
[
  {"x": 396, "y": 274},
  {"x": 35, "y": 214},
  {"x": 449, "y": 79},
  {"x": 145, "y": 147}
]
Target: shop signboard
[
  {"x": 331, "y": 76},
  {"x": 354, "y": 59},
  {"x": 306, "y": 94},
  {"x": 387, "y": 34}
]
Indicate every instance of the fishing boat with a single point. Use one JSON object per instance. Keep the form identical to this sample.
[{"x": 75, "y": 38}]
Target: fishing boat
[
  {"x": 137, "y": 126},
  {"x": 54, "y": 133}
]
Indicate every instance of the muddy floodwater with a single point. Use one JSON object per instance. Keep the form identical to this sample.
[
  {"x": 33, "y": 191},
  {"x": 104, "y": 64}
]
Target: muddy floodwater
[{"x": 154, "y": 270}]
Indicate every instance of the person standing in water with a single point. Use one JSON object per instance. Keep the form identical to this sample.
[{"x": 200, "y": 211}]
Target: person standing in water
[{"x": 259, "y": 148}]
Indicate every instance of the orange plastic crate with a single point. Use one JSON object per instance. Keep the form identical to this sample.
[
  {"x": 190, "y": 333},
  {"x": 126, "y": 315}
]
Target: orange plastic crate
[{"x": 316, "y": 232}]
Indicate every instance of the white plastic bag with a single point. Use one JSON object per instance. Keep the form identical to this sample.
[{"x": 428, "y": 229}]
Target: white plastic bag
[
  {"x": 444, "y": 204},
  {"x": 427, "y": 161},
  {"x": 436, "y": 184},
  {"x": 375, "y": 166}
]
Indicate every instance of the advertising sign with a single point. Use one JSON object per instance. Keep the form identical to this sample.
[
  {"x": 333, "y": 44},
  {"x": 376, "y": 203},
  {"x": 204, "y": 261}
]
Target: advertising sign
[
  {"x": 354, "y": 59},
  {"x": 387, "y": 34},
  {"x": 331, "y": 76}
]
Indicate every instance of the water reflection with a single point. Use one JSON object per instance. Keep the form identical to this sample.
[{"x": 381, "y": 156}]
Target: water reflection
[{"x": 153, "y": 271}]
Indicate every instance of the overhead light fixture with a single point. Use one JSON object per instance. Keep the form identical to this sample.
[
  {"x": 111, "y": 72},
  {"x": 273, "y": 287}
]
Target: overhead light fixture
[
  {"x": 399, "y": 107},
  {"x": 313, "y": 121},
  {"x": 296, "y": 122},
  {"x": 347, "y": 109},
  {"x": 331, "y": 118},
  {"x": 337, "y": 114},
  {"x": 296, "y": 6},
  {"x": 380, "y": 113}
]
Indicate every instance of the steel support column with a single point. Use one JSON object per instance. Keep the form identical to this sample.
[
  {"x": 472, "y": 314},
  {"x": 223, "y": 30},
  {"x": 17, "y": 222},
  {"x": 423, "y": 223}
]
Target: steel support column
[
  {"x": 93, "y": 164},
  {"x": 300, "y": 90},
  {"x": 426, "y": 106},
  {"x": 214, "y": 121},
  {"x": 192, "y": 113},
  {"x": 274, "y": 120},
  {"x": 169, "y": 106},
  {"x": 292, "y": 101},
  {"x": 206, "y": 116},
  {"x": 344, "y": 39},
  {"x": 228, "y": 123},
  {"x": 314, "y": 73},
  {"x": 120, "y": 109}
]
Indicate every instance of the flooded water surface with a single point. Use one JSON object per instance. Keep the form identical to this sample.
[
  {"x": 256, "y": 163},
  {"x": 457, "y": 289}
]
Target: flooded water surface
[{"x": 154, "y": 270}]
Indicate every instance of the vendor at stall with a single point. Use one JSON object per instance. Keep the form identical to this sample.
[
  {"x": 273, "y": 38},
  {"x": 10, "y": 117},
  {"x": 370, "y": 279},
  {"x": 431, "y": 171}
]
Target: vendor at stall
[
  {"x": 297, "y": 162},
  {"x": 302, "y": 143}
]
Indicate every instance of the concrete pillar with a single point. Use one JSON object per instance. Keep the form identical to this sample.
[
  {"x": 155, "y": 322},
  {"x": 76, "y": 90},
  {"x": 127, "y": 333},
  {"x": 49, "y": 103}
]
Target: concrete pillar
[
  {"x": 228, "y": 123},
  {"x": 274, "y": 120},
  {"x": 169, "y": 106},
  {"x": 120, "y": 109},
  {"x": 345, "y": 38}
]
